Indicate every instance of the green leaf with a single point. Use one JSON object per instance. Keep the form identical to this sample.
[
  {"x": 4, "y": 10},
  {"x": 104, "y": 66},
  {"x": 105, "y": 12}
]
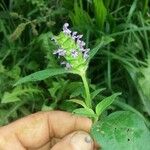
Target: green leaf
[
  {"x": 105, "y": 103},
  {"x": 80, "y": 18},
  {"x": 54, "y": 89},
  {"x": 96, "y": 92},
  {"x": 10, "y": 97},
  {"x": 79, "y": 91},
  {"x": 121, "y": 130},
  {"x": 103, "y": 42},
  {"x": 41, "y": 75},
  {"x": 77, "y": 101},
  {"x": 14, "y": 96},
  {"x": 87, "y": 112},
  {"x": 100, "y": 13}
]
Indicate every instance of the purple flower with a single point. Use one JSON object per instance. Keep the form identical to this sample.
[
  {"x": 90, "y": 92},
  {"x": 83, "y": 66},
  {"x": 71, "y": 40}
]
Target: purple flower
[
  {"x": 63, "y": 63},
  {"x": 74, "y": 35},
  {"x": 78, "y": 42},
  {"x": 53, "y": 39},
  {"x": 65, "y": 29},
  {"x": 87, "y": 50},
  {"x": 85, "y": 54},
  {"x": 60, "y": 52},
  {"x": 74, "y": 53},
  {"x": 79, "y": 36},
  {"x": 82, "y": 44},
  {"x": 66, "y": 25},
  {"x": 67, "y": 65}
]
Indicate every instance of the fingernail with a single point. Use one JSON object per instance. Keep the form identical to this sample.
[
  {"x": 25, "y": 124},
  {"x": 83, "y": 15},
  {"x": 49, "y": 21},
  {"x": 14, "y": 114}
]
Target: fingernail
[{"x": 81, "y": 141}]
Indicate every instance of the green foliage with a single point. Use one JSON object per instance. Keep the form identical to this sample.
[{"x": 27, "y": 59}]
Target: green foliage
[
  {"x": 144, "y": 80},
  {"x": 103, "y": 42},
  {"x": 16, "y": 93},
  {"x": 87, "y": 112},
  {"x": 16, "y": 34},
  {"x": 117, "y": 33},
  {"x": 101, "y": 106},
  {"x": 41, "y": 75},
  {"x": 122, "y": 130},
  {"x": 100, "y": 13},
  {"x": 81, "y": 18}
]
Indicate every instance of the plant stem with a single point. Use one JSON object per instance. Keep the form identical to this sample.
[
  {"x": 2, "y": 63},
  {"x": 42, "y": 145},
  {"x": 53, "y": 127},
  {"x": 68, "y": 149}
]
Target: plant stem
[{"x": 87, "y": 91}]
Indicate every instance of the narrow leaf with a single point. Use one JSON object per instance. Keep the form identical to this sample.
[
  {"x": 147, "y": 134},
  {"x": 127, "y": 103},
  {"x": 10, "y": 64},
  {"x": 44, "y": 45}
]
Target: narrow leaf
[
  {"x": 87, "y": 112},
  {"x": 96, "y": 92},
  {"x": 10, "y": 97},
  {"x": 41, "y": 75},
  {"x": 105, "y": 103},
  {"x": 77, "y": 101},
  {"x": 100, "y": 13},
  {"x": 104, "y": 41}
]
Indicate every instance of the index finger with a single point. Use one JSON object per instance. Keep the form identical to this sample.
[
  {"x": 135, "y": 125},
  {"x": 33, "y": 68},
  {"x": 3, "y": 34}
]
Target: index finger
[{"x": 36, "y": 130}]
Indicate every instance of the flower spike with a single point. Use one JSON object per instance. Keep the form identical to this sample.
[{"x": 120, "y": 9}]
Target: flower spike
[{"x": 71, "y": 48}]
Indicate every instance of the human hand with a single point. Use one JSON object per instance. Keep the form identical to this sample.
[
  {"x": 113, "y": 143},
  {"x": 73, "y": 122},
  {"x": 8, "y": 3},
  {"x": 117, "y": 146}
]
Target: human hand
[{"x": 55, "y": 130}]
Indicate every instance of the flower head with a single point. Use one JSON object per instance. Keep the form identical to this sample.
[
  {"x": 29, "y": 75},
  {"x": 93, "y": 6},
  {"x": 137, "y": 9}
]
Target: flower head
[
  {"x": 60, "y": 52},
  {"x": 65, "y": 29},
  {"x": 72, "y": 49}
]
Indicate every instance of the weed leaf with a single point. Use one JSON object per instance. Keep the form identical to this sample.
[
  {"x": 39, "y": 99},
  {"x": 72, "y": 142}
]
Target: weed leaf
[
  {"x": 96, "y": 92},
  {"x": 104, "y": 41},
  {"x": 80, "y": 102},
  {"x": 41, "y": 75},
  {"x": 105, "y": 103},
  {"x": 14, "y": 96},
  {"x": 100, "y": 13},
  {"x": 122, "y": 130},
  {"x": 87, "y": 112}
]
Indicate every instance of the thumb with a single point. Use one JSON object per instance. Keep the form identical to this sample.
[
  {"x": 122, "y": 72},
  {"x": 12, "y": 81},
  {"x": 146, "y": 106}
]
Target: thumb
[{"x": 78, "y": 140}]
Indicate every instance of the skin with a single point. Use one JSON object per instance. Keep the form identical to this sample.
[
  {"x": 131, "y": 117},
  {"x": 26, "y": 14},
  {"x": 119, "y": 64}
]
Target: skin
[{"x": 53, "y": 130}]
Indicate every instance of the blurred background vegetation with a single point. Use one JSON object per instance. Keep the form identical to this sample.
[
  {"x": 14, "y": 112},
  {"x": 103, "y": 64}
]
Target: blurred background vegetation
[{"x": 123, "y": 65}]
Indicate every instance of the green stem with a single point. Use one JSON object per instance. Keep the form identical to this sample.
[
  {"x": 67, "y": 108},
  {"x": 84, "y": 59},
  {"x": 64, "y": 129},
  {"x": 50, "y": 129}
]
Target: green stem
[{"x": 87, "y": 91}]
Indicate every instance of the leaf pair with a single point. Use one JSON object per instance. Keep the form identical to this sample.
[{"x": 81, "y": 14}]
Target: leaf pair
[{"x": 101, "y": 106}]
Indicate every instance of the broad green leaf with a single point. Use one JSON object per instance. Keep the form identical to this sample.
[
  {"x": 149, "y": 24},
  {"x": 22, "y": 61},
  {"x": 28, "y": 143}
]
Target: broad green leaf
[
  {"x": 103, "y": 42},
  {"x": 105, "y": 103},
  {"x": 96, "y": 92},
  {"x": 85, "y": 112},
  {"x": 80, "y": 102},
  {"x": 41, "y": 75},
  {"x": 122, "y": 130}
]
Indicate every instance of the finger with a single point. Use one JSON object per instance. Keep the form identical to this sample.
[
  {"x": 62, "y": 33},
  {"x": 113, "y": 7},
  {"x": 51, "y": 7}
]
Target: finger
[
  {"x": 48, "y": 145},
  {"x": 78, "y": 140},
  {"x": 44, "y": 147},
  {"x": 6, "y": 143},
  {"x": 36, "y": 130}
]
